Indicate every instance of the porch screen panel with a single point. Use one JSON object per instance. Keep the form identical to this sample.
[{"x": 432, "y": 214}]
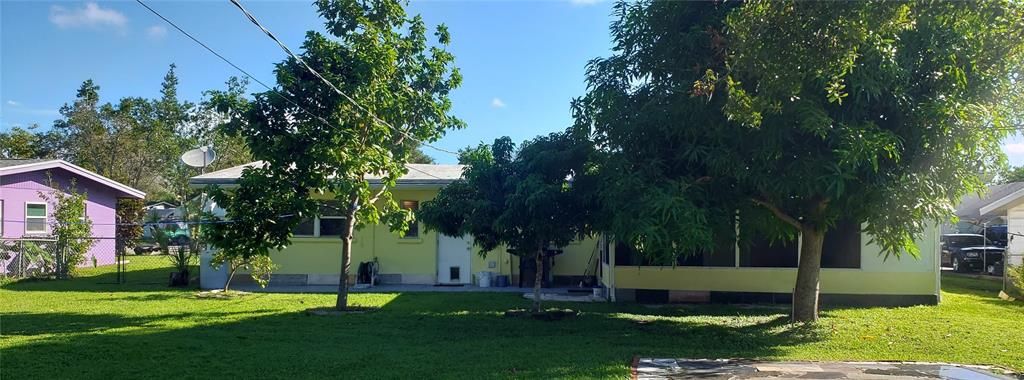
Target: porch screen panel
[
  {"x": 841, "y": 248},
  {"x": 763, "y": 253}
]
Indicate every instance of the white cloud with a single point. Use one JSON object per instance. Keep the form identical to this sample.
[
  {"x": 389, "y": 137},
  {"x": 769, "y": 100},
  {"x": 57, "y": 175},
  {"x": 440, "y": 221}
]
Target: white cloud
[
  {"x": 13, "y": 103},
  {"x": 1014, "y": 148},
  {"x": 497, "y": 103},
  {"x": 91, "y": 16},
  {"x": 156, "y": 32},
  {"x": 583, "y": 2}
]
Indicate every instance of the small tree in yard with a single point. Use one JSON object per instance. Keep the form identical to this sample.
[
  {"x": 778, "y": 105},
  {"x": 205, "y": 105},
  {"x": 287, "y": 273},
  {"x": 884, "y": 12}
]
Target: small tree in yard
[
  {"x": 129, "y": 216},
  {"x": 523, "y": 200},
  {"x": 795, "y": 114},
  {"x": 71, "y": 227},
  {"x": 256, "y": 226},
  {"x": 396, "y": 88}
]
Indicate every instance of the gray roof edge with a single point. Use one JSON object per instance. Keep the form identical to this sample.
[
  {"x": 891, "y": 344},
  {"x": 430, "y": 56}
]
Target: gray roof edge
[{"x": 1001, "y": 202}]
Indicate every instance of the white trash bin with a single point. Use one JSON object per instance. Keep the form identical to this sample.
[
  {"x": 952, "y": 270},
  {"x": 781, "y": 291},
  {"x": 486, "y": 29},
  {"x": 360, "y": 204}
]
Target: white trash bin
[
  {"x": 483, "y": 279},
  {"x": 210, "y": 278}
]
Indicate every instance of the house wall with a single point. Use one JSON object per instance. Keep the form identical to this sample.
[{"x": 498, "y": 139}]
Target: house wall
[
  {"x": 906, "y": 276},
  {"x": 317, "y": 260},
  {"x": 1015, "y": 225},
  {"x": 568, "y": 268},
  {"x": 101, "y": 204}
]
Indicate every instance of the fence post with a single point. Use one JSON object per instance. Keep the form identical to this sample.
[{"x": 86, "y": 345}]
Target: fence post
[
  {"x": 21, "y": 258},
  {"x": 119, "y": 258}
]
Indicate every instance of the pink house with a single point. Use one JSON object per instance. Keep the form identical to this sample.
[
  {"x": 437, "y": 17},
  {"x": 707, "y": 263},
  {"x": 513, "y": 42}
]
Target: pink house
[{"x": 25, "y": 214}]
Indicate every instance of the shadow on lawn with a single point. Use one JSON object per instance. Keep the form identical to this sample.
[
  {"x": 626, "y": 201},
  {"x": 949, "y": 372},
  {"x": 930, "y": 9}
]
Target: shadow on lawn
[
  {"x": 414, "y": 335},
  {"x": 30, "y": 324},
  {"x": 139, "y": 280}
]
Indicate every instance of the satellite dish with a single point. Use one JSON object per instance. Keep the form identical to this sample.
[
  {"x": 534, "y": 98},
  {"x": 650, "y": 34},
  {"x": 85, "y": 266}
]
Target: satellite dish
[{"x": 200, "y": 157}]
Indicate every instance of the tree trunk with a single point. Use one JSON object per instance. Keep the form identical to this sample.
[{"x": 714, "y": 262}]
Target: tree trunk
[
  {"x": 537, "y": 277},
  {"x": 346, "y": 253},
  {"x": 805, "y": 295},
  {"x": 231, "y": 276}
]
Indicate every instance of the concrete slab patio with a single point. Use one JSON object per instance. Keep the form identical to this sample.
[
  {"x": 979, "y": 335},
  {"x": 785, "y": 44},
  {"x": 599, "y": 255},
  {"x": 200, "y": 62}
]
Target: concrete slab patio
[{"x": 649, "y": 368}]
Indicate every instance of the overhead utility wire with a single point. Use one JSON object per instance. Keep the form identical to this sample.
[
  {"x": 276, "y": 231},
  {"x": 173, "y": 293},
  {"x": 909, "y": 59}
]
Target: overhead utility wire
[
  {"x": 271, "y": 89},
  {"x": 317, "y": 74},
  {"x": 232, "y": 64}
]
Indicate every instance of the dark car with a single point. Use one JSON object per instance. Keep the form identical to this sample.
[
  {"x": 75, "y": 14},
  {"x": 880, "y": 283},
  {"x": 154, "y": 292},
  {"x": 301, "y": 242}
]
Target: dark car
[
  {"x": 971, "y": 253},
  {"x": 145, "y": 247}
]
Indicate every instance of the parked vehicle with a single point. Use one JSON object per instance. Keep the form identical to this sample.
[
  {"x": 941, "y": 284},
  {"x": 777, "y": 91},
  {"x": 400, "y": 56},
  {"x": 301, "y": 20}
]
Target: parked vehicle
[
  {"x": 145, "y": 247},
  {"x": 971, "y": 253}
]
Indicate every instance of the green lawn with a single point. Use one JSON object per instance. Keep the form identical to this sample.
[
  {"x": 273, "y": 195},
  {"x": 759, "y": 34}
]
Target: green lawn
[{"x": 84, "y": 329}]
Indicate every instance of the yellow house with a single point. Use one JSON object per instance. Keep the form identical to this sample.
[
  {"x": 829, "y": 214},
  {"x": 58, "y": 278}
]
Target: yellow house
[
  {"x": 419, "y": 257},
  {"x": 853, "y": 271}
]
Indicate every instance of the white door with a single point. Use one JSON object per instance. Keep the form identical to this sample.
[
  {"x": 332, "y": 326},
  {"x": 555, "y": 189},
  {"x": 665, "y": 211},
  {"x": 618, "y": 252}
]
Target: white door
[{"x": 453, "y": 260}]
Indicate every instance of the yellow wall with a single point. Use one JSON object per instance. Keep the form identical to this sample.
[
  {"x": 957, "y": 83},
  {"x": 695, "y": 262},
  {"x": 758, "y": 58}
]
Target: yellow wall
[
  {"x": 415, "y": 259},
  {"x": 903, "y": 276},
  {"x": 572, "y": 262},
  {"x": 411, "y": 257},
  {"x": 772, "y": 280}
]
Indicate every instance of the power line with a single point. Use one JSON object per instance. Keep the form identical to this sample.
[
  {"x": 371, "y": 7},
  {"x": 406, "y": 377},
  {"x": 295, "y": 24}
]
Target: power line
[
  {"x": 317, "y": 74},
  {"x": 232, "y": 64}
]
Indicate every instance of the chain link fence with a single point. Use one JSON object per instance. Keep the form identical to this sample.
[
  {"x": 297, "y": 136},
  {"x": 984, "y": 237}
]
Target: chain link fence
[
  {"x": 30, "y": 257},
  {"x": 108, "y": 260}
]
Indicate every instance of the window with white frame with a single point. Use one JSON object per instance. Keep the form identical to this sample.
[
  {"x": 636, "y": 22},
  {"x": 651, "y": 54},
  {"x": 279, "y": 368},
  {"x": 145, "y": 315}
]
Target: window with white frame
[
  {"x": 330, "y": 223},
  {"x": 35, "y": 217}
]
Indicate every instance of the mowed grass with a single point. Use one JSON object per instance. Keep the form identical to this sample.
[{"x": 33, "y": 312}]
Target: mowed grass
[{"x": 83, "y": 328}]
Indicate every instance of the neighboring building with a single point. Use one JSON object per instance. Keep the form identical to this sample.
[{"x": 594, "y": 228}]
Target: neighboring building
[
  {"x": 853, "y": 272},
  {"x": 162, "y": 212},
  {"x": 1011, "y": 208},
  {"x": 969, "y": 210},
  {"x": 25, "y": 214}
]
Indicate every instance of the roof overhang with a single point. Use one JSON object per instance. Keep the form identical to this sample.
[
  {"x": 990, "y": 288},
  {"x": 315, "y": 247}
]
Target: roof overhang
[
  {"x": 1001, "y": 205},
  {"x": 420, "y": 176},
  {"x": 75, "y": 169}
]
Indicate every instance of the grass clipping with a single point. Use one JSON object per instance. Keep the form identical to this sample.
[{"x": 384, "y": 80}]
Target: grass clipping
[
  {"x": 330, "y": 311},
  {"x": 220, "y": 294},
  {"x": 544, "y": 315}
]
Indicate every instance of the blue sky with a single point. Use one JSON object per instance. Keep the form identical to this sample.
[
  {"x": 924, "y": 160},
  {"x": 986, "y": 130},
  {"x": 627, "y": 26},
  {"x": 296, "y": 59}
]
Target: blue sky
[{"x": 522, "y": 61}]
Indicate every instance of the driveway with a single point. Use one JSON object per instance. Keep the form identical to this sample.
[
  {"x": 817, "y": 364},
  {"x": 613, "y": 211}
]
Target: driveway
[{"x": 648, "y": 368}]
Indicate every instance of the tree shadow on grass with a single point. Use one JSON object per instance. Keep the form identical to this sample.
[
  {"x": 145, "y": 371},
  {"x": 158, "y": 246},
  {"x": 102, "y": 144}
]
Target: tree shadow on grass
[
  {"x": 30, "y": 324},
  {"x": 143, "y": 280},
  {"x": 414, "y": 335}
]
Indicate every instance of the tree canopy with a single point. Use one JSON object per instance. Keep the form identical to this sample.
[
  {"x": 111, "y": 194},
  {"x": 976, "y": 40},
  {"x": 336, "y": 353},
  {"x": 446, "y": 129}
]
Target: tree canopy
[
  {"x": 135, "y": 141},
  {"x": 389, "y": 89},
  {"x": 796, "y": 114},
  {"x": 523, "y": 200}
]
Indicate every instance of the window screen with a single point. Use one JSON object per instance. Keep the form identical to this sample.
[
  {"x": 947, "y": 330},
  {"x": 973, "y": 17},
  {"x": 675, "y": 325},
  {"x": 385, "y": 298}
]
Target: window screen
[
  {"x": 841, "y": 248},
  {"x": 763, "y": 253},
  {"x": 304, "y": 228}
]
